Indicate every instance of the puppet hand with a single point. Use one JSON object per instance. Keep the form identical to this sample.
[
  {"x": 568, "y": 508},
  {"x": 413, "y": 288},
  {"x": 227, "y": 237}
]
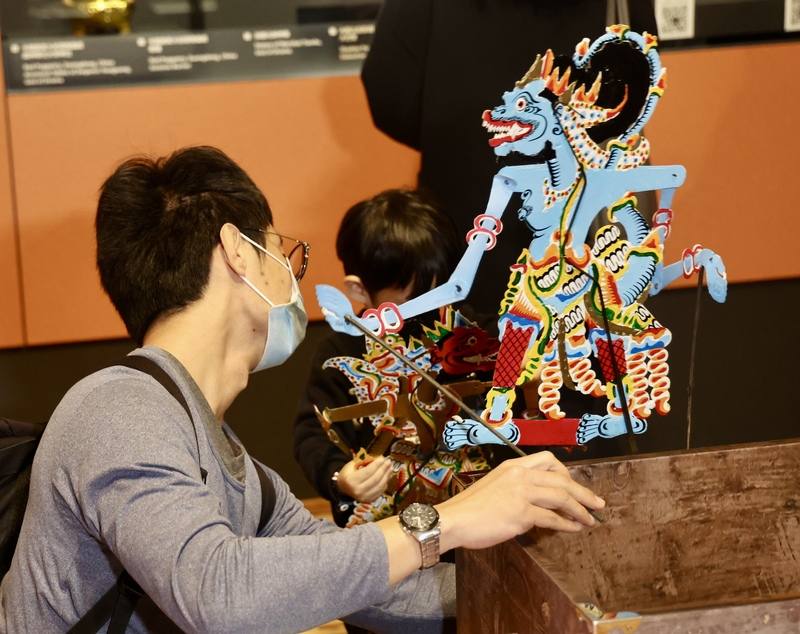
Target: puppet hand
[
  {"x": 335, "y": 306},
  {"x": 716, "y": 277},
  {"x": 365, "y": 483}
]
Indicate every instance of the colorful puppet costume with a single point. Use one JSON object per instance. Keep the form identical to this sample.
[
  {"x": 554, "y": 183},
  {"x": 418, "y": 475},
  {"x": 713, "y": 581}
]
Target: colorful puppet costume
[
  {"x": 570, "y": 143},
  {"x": 407, "y": 416}
]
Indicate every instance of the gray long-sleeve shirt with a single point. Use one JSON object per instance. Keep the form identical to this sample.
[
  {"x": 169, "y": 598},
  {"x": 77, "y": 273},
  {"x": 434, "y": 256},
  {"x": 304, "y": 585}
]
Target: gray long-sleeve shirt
[{"x": 116, "y": 483}]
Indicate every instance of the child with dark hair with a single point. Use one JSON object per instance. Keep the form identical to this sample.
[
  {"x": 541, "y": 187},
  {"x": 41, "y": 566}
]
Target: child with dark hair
[
  {"x": 393, "y": 246},
  {"x": 396, "y": 243}
]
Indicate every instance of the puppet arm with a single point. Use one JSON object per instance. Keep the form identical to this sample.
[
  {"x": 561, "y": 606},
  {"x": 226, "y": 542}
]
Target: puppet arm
[
  {"x": 390, "y": 317},
  {"x": 650, "y": 177}
]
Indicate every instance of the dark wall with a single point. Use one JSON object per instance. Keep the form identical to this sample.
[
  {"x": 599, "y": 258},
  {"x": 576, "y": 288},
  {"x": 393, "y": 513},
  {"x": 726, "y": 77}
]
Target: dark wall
[
  {"x": 746, "y": 368},
  {"x": 746, "y": 378}
]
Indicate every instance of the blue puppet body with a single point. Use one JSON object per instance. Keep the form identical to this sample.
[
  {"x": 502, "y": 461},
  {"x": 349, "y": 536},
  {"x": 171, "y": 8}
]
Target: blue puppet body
[{"x": 574, "y": 278}]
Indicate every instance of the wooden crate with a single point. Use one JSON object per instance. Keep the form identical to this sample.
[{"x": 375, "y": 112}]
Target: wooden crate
[{"x": 696, "y": 542}]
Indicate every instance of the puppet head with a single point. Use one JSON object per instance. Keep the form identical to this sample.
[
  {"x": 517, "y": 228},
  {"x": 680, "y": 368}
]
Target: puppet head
[{"x": 605, "y": 91}]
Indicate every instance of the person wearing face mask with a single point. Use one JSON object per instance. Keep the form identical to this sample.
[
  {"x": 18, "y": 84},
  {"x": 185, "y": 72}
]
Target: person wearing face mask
[
  {"x": 287, "y": 322},
  {"x": 146, "y": 513}
]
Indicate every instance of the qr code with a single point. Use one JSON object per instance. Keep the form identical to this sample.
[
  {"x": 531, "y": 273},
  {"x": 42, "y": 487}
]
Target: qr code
[
  {"x": 675, "y": 19},
  {"x": 791, "y": 15}
]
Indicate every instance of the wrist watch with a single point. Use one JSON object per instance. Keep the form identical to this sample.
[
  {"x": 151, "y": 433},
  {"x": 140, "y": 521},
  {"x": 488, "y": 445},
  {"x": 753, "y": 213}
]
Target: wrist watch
[{"x": 421, "y": 521}]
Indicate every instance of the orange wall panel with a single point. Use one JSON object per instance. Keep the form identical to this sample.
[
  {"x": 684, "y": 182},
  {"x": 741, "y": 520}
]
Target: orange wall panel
[
  {"x": 308, "y": 143},
  {"x": 11, "y": 322},
  {"x": 730, "y": 115}
]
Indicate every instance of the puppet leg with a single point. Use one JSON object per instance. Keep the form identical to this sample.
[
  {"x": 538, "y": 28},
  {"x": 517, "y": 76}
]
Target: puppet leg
[
  {"x": 579, "y": 365},
  {"x": 516, "y": 339},
  {"x": 549, "y": 387},
  {"x": 640, "y": 404},
  {"x": 584, "y": 376},
  {"x": 611, "y": 424},
  {"x": 648, "y": 367},
  {"x": 658, "y": 379}
]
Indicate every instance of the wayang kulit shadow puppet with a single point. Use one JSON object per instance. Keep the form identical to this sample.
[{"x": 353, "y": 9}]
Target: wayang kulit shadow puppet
[{"x": 569, "y": 141}]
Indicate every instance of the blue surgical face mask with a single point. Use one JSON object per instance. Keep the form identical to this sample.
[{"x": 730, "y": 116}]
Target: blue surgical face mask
[{"x": 286, "y": 325}]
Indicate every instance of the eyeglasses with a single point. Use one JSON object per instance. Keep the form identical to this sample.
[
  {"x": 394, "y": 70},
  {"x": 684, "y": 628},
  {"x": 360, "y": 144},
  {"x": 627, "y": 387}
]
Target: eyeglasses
[{"x": 298, "y": 251}]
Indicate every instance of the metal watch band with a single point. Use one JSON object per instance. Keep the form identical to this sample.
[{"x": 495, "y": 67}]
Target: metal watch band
[
  {"x": 428, "y": 545},
  {"x": 430, "y": 550}
]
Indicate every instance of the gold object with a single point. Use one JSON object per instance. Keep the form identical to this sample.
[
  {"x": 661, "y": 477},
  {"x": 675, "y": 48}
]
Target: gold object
[{"x": 99, "y": 17}]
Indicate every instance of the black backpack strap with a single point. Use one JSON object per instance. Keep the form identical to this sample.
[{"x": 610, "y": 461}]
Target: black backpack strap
[
  {"x": 128, "y": 594},
  {"x": 119, "y": 602},
  {"x": 148, "y": 366},
  {"x": 267, "y": 496},
  {"x": 116, "y": 606},
  {"x": 97, "y": 616}
]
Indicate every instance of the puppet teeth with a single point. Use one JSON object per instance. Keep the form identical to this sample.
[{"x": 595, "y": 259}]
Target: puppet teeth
[
  {"x": 616, "y": 260},
  {"x": 548, "y": 280},
  {"x": 606, "y": 238},
  {"x": 573, "y": 287},
  {"x": 573, "y": 318},
  {"x": 511, "y": 129}
]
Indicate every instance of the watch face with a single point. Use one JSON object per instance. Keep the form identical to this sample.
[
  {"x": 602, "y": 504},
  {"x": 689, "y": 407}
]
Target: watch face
[{"x": 419, "y": 517}]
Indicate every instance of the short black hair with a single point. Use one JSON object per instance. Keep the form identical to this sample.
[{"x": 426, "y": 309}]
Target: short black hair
[
  {"x": 158, "y": 221},
  {"x": 396, "y": 238}
]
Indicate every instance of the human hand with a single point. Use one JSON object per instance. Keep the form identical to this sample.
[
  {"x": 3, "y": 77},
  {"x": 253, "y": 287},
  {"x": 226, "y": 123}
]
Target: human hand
[
  {"x": 364, "y": 482},
  {"x": 536, "y": 490}
]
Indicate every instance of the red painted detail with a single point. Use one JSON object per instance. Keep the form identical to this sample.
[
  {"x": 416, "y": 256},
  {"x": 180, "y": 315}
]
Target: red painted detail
[
  {"x": 389, "y": 309},
  {"x": 481, "y": 231},
  {"x": 497, "y": 224},
  {"x": 663, "y": 218},
  {"x": 465, "y": 350},
  {"x": 492, "y": 231},
  {"x": 606, "y": 364},
  {"x": 547, "y": 433},
  {"x": 383, "y": 314},
  {"x": 509, "y": 359},
  {"x": 688, "y": 260}
]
